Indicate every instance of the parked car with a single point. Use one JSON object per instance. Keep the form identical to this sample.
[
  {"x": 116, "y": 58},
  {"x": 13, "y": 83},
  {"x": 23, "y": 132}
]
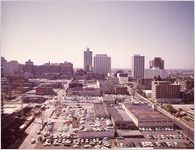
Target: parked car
[{"x": 33, "y": 141}]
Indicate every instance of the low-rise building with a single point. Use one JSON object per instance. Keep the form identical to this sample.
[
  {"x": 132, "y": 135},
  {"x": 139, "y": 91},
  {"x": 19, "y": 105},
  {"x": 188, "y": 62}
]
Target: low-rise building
[
  {"x": 87, "y": 88},
  {"x": 34, "y": 99},
  {"x": 109, "y": 99},
  {"x": 123, "y": 78},
  {"x": 107, "y": 86},
  {"x": 148, "y": 117},
  {"x": 54, "y": 85},
  {"x": 120, "y": 118},
  {"x": 101, "y": 111},
  {"x": 121, "y": 90},
  {"x": 147, "y": 93},
  {"x": 44, "y": 91}
]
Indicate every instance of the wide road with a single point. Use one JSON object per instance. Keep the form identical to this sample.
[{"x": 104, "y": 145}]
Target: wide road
[
  {"x": 34, "y": 127},
  {"x": 32, "y": 133}
]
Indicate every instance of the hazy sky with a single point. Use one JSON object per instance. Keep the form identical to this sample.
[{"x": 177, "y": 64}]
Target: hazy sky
[{"x": 59, "y": 31}]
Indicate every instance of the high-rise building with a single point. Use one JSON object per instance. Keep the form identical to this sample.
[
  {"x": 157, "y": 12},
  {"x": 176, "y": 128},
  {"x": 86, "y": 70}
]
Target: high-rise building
[
  {"x": 102, "y": 64},
  {"x": 88, "y": 60},
  {"x": 138, "y": 66},
  {"x": 157, "y": 63},
  {"x": 164, "y": 91}
]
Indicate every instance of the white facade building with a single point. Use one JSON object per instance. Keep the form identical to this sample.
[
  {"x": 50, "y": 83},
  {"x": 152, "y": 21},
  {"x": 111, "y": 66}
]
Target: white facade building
[
  {"x": 102, "y": 64},
  {"x": 138, "y": 66},
  {"x": 122, "y": 78},
  {"x": 151, "y": 73},
  {"x": 88, "y": 60}
]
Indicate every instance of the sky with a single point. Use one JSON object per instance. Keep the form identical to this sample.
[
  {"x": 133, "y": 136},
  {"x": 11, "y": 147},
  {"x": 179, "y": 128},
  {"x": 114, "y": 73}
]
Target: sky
[{"x": 59, "y": 31}]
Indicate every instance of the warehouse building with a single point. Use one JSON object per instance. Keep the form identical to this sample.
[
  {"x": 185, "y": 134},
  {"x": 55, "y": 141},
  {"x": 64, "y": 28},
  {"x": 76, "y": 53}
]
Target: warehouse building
[
  {"x": 101, "y": 111},
  {"x": 148, "y": 117},
  {"x": 120, "y": 118}
]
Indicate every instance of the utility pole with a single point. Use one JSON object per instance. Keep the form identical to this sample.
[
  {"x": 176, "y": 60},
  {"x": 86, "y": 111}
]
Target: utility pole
[
  {"x": 2, "y": 104},
  {"x": 21, "y": 94}
]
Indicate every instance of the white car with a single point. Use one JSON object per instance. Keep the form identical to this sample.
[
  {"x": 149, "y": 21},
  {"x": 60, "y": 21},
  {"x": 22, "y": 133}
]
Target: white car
[
  {"x": 33, "y": 141},
  {"x": 87, "y": 146}
]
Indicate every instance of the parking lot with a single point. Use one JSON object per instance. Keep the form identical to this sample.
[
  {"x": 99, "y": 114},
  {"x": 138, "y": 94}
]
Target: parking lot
[
  {"x": 71, "y": 123},
  {"x": 158, "y": 138},
  {"x": 65, "y": 123}
]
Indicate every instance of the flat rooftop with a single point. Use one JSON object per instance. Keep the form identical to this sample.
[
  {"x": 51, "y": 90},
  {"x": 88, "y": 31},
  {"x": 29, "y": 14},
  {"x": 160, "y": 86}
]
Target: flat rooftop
[
  {"x": 118, "y": 114},
  {"x": 91, "y": 85},
  {"x": 144, "y": 112},
  {"x": 125, "y": 132},
  {"x": 101, "y": 109},
  {"x": 11, "y": 108}
]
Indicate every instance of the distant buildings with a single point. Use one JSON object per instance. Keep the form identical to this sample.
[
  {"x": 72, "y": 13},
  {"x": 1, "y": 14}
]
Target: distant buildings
[
  {"x": 151, "y": 73},
  {"x": 102, "y": 64},
  {"x": 89, "y": 88},
  {"x": 138, "y": 66},
  {"x": 54, "y": 69},
  {"x": 12, "y": 68},
  {"x": 121, "y": 89},
  {"x": 187, "y": 90},
  {"x": 28, "y": 69},
  {"x": 108, "y": 86},
  {"x": 3, "y": 62},
  {"x": 123, "y": 78},
  {"x": 66, "y": 68},
  {"x": 165, "y": 92},
  {"x": 186, "y": 84},
  {"x": 88, "y": 60},
  {"x": 157, "y": 63},
  {"x": 47, "y": 70}
]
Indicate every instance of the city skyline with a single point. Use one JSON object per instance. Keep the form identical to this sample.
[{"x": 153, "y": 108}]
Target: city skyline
[{"x": 61, "y": 31}]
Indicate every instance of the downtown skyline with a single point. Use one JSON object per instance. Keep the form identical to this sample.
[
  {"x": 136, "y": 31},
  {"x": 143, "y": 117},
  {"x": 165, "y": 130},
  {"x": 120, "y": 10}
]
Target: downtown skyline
[{"x": 61, "y": 31}]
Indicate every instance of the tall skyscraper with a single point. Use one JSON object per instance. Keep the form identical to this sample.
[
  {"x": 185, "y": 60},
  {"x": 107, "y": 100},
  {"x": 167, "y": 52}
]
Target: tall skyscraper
[
  {"x": 157, "y": 63},
  {"x": 88, "y": 60},
  {"x": 138, "y": 66},
  {"x": 102, "y": 64}
]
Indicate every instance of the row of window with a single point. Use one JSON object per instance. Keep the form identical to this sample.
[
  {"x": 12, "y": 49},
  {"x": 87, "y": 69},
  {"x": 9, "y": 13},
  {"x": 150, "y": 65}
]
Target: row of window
[{"x": 159, "y": 121}]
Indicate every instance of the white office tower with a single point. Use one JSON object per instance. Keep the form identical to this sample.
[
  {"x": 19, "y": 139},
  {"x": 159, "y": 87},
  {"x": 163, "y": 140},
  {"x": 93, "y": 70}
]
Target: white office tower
[
  {"x": 88, "y": 60},
  {"x": 138, "y": 66},
  {"x": 102, "y": 64}
]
